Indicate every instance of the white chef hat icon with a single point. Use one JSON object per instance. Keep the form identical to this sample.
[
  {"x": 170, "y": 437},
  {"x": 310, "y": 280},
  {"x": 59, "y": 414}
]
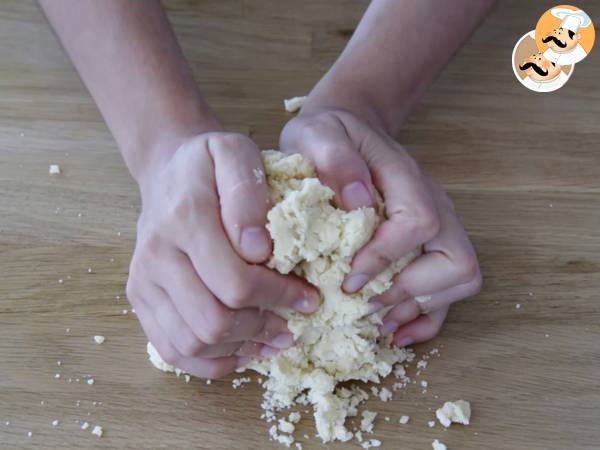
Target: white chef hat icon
[{"x": 571, "y": 19}]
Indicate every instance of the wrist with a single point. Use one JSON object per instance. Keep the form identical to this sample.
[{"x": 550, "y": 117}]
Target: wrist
[
  {"x": 335, "y": 94},
  {"x": 147, "y": 150}
]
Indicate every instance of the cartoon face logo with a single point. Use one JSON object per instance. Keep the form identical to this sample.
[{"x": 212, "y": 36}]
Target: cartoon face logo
[
  {"x": 561, "y": 40},
  {"x": 539, "y": 68}
]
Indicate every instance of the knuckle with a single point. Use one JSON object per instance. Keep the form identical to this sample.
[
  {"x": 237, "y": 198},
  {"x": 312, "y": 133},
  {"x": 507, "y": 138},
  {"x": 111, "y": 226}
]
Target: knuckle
[
  {"x": 468, "y": 268},
  {"x": 189, "y": 346},
  {"x": 168, "y": 354},
  {"x": 234, "y": 142},
  {"x": 382, "y": 258},
  {"x": 237, "y": 292},
  {"x": 428, "y": 224},
  {"x": 217, "y": 329},
  {"x": 150, "y": 243}
]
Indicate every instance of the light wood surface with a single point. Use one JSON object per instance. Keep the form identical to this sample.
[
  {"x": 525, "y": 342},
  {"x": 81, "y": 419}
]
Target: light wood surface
[{"x": 523, "y": 169}]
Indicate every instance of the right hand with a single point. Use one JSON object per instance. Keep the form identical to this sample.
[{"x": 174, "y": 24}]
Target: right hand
[{"x": 195, "y": 281}]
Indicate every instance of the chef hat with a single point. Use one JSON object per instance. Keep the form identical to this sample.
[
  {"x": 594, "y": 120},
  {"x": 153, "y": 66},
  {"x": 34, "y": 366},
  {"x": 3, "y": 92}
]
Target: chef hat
[{"x": 571, "y": 19}]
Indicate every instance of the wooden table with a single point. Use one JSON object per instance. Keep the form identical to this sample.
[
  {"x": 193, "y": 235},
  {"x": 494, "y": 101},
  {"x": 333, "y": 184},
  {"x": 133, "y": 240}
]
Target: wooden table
[{"x": 523, "y": 168}]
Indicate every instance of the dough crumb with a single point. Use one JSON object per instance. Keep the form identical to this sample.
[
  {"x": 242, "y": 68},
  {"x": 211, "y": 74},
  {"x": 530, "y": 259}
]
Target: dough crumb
[
  {"x": 90, "y": 381},
  {"x": 458, "y": 412},
  {"x": 293, "y": 104},
  {"x": 366, "y": 424},
  {"x": 98, "y": 431},
  {"x": 99, "y": 339},
  {"x": 404, "y": 420},
  {"x": 85, "y": 425},
  {"x": 431, "y": 424},
  {"x": 55, "y": 423},
  {"x": 437, "y": 445},
  {"x": 54, "y": 169}
]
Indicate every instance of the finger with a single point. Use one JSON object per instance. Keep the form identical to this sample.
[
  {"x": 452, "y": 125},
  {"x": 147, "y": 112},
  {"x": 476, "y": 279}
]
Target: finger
[
  {"x": 236, "y": 283},
  {"x": 210, "y": 320},
  {"x": 200, "y": 367},
  {"x": 257, "y": 349},
  {"x": 449, "y": 296},
  {"x": 422, "y": 329},
  {"x": 243, "y": 194},
  {"x": 411, "y": 216},
  {"x": 324, "y": 140}
]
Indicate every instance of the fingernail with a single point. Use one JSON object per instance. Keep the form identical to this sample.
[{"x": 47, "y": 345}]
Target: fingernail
[
  {"x": 243, "y": 360},
  {"x": 283, "y": 340},
  {"x": 268, "y": 352},
  {"x": 355, "y": 195},
  {"x": 374, "y": 307},
  {"x": 355, "y": 282},
  {"x": 307, "y": 304},
  {"x": 404, "y": 341},
  {"x": 254, "y": 242},
  {"x": 389, "y": 326}
]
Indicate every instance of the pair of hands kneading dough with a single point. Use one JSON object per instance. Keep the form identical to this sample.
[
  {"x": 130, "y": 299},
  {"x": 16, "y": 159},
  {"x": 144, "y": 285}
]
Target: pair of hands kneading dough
[{"x": 204, "y": 302}]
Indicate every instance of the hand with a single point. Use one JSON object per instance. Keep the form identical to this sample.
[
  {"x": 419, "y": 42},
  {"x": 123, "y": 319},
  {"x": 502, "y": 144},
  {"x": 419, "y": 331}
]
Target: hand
[
  {"x": 199, "y": 299},
  {"x": 354, "y": 159}
]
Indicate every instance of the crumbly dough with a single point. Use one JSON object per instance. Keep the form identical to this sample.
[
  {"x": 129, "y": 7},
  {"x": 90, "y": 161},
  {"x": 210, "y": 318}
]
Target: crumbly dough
[
  {"x": 293, "y": 104},
  {"x": 458, "y": 412},
  {"x": 340, "y": 342},
  {"x": 437, "y": 445}
]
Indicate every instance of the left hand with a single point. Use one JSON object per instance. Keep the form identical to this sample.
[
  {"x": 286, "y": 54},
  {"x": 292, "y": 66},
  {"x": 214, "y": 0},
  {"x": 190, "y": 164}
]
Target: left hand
[{"x": 354, "y": 159}]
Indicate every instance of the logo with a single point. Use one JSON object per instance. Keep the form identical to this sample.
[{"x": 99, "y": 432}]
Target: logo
[{"x": 544, "y": 59}]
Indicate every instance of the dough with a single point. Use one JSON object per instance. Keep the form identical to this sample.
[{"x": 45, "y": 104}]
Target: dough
[
  {"x": 458, "y": 412},
  {"x": 340, "y": 341}
]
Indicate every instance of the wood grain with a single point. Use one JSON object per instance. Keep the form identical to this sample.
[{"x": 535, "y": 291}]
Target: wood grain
[{"x": 523, "y": 168}]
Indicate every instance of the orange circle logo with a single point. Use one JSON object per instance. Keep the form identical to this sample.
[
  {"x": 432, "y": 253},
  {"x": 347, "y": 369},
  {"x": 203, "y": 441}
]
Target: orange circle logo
[
  {"x": 565, "y": 34},
  {"x": 544, "y": 59}
]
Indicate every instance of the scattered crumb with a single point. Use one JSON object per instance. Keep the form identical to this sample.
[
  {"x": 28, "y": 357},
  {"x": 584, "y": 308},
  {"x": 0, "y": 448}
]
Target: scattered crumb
[
  {"x": 187, "y": 378},
  {"x": 366, "y": 424},
  {"x": 208, "y": 381},
  {"x": 55, "y": 423},
  {"x": 424, "y": 383},
  {"x": 259, "y": 174},
  {"x": 239, "y": 382},
  {"x": 285, "y": 426},
  {"x": 54, "y": 169},
  {"x": 99, "y": 339},
  {"x": 458, "y": 412},
  {"x": 294, "y": 417},
  {"x": 124, "y": 311},
  {"x": 85, "y": 425},
  {"x": 89, "y": 270},
  {"x": 90, "y": 381},
  {"x": 437, "y": 445},
  {"x": 97, "y": 430},
  {"x": 518, "y": 306},
  {"x": 385, "y": 394},
  {"x": 293, "y": 104},
  {"x": 58, "y": 363},
  {"x": 29, "y": 434},
  {"x": 404, "y": 420},
  {"x": 60, "y": 281},
  {"x": 57, "y": 375},
  {"x": 371, "y": 443},
  {"x": 431, "y": 424}
]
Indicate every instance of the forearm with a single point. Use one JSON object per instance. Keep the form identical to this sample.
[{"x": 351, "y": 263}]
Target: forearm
[
  {"x": 398, "y": 49},
  {"x": 129, "y": 59}
]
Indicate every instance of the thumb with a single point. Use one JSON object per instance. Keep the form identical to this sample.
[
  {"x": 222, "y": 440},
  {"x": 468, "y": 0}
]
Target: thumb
[
  {"x": 324, "y": 141},
  {"x": 243, "y": 194}
]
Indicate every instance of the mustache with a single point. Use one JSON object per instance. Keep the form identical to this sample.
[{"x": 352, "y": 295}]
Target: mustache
[
  {"x": 555, "y": 40},
  {"x": 541, "y": 72}
]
